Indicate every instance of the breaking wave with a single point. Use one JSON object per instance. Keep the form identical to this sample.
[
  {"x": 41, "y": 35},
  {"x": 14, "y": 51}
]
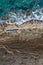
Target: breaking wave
[{"x": 23, "y": 16}]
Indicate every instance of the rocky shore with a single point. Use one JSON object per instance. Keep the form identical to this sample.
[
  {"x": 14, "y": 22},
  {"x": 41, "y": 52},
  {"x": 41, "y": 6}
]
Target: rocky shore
[
  {"x": 30, "y": 32},
  {"x": 26, "y": 38}
]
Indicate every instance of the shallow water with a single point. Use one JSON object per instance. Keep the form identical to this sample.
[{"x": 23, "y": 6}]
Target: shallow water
[
  {"x": 20, "y": 11},
  {"x": 11, "y": 5}
]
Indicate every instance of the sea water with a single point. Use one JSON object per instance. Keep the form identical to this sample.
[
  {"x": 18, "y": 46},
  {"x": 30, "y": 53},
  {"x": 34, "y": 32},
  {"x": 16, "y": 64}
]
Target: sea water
[{"x": 20, "y": 11}]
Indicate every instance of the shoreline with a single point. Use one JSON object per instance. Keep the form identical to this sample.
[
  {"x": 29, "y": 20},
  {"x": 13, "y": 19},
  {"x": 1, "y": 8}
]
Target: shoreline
[
  {"x": 23, "y": 33},
  {"x": 22, "y": 44}
]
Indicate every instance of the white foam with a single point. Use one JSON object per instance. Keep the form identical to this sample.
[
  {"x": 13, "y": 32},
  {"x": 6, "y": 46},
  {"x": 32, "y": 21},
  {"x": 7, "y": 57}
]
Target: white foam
[{"x": 20, "y": 18}]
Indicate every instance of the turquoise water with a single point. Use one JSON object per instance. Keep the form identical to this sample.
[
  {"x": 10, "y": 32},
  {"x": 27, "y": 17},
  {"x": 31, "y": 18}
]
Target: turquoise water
[
  {"x": 20, "y": 11},
  {"x": 8, "y": 5}
]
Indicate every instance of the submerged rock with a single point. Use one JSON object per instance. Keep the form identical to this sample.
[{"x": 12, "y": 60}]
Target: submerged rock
[{"x": 2, "y": 23}]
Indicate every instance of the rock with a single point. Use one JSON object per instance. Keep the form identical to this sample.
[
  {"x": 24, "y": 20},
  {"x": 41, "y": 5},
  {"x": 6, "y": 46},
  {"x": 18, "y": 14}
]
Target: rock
[{"x": 27, "y": 32}]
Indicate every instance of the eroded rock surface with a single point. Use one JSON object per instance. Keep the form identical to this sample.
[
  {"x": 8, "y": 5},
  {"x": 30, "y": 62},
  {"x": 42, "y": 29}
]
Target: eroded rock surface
[{"x": 22, "y": 44}]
